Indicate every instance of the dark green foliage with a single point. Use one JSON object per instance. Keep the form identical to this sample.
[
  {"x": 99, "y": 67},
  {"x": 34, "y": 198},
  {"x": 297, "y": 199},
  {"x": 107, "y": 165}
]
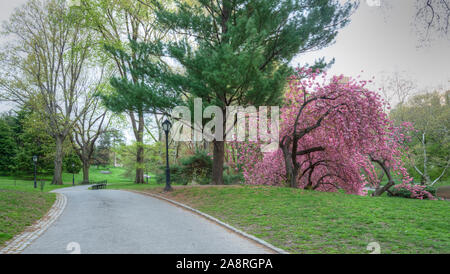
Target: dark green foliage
[
  {"x": 102, "y": 152},
  {"x": 72, "y": 163},
  {"x": 243, "y": 47},
  {"x": 28, "y": 138},
  {"x": 400, "y": 192},
  {"x": 177, "y": 175},
  {"x": 139, "y": 88},
  {"x": 195, "y": 168},
  {"x": 7, "y": 147},
  {"x": 232, "y": 179},
  {"x": 198, "y": 167},
  {"x": 431, "y": 189}
]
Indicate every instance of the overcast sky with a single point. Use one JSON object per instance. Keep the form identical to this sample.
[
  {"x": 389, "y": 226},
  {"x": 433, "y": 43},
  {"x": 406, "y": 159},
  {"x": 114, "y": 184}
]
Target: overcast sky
[{"x": 384, "y": 39}]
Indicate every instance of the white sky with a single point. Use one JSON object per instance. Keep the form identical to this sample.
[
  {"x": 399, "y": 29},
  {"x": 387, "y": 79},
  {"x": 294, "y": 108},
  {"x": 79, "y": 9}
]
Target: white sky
[
  {"x": 384, "y": 39},
  {"x": 378, "y": 39}
]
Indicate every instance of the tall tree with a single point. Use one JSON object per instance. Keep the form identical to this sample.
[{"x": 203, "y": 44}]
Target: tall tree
[
  {"x": 118, "y": 22},
  {"x": 237, "y": 52},
  {"x": 397, "y": 88},
  {"x": 434, "y": 15},
  {"x": 46, "y": 64},
  {"x": 92, "y": 123}
]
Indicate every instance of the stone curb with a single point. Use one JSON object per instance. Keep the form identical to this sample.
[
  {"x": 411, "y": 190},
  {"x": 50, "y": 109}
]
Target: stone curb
[
  {"x": 31, "y": 233},
  {"x": 209, "y": 217}
]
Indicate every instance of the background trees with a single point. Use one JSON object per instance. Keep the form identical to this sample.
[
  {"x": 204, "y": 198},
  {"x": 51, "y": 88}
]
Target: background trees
[
  {"x": 237, "y": 52},
  {"x": 92, "y": 123},
  {"x": 7, "y": 146},
  {"x": 430, "y": 115},
  {"x": 46, "y": 65},
  {"x": 118, "y": 22},
  {"x": 25, "y": 129}
]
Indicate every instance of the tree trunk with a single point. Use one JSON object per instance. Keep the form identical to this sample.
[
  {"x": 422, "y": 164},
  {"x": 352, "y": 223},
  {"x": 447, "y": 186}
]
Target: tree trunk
[
  {"x": 86, "y": 166},
  {"x": 140, "y": 163},
  {"x": 217, "y": 168},
  {"x": 291, "y": 171},
  {"x": 140, "y": 151},
  {"x": 425, "y": 177},
  {"x": 57, "y": 172},
  {"x": 380, "y": 190}
]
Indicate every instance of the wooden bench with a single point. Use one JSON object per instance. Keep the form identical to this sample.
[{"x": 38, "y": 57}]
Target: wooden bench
[{"x": 100, "y": 185}]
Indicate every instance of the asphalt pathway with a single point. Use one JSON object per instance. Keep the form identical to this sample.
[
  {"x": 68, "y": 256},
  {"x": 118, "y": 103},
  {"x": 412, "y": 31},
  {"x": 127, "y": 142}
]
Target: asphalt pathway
[{"x": 121, "y": 222}]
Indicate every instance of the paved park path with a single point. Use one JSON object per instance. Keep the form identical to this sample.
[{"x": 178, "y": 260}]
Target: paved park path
[{"x": 114, "y": 221}]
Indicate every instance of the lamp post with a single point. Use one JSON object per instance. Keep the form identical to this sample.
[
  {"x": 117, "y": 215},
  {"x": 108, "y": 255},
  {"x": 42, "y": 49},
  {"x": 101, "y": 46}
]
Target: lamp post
[
  {"x": 35, "y": 158},
  {"x": 73, "y": 174},
  {"x": 166, "y": 125}
]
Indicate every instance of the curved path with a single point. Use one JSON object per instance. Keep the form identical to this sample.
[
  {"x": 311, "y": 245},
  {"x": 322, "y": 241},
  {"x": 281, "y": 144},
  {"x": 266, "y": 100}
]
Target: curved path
[{"x": 114, "y": 221}]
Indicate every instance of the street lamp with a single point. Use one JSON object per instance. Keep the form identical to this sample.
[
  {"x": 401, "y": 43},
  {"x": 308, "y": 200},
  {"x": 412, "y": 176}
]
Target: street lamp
[
  {"x": 166, "y": 125},
  {"x": 35, "y": 158},
  {"x": 73, "y": 174}
]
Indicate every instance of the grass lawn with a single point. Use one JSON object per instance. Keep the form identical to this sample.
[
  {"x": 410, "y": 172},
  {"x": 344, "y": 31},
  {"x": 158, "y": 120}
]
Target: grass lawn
[
  {"x": 20, "y": 206},
  {"x": 95, "y": 174},
  {"x": 313, "y": 222}
]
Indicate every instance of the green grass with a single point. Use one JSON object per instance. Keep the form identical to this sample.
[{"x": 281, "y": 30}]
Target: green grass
[
  {"x": 20, "y": 206},
  {"x": 313, "y": 222},
  {"x": 116, "y": 176}
]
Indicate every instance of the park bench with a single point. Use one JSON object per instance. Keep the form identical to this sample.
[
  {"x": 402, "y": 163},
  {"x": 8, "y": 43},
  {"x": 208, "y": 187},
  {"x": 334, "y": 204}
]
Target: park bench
[{"x": 100, "y": 185}]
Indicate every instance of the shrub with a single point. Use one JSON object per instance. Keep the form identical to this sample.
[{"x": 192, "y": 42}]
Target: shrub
[
  {"x": 176, "y": 175},
  {"x": 400, "y": 192},
  {"x": 431, "y": 189},
  {"x": 412, "y": 191},
  {"x": 231, "y": 179},
  {"x": 197, "y": 167}
]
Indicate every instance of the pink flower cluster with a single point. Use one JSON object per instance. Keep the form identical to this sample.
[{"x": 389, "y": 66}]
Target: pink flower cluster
[{"x": 417, "y": 191}]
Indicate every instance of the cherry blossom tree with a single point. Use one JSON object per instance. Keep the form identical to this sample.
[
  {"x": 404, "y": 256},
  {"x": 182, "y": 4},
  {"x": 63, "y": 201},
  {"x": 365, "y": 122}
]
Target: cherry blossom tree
[{"x": 332, "y": 134}]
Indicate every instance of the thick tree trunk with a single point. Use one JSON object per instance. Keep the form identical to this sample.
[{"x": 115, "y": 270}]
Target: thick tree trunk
[
  {"x": 86, "y": 166},
  {"x": 140, "y": 163},
  {"x": 57, "y": 172},
  {"x": 217, "y": 168},
  {"x": 291, "y": 171},
  {"x": 380, "y": 190},
  {"x": 140, "y": 152},
  {"x": 387, "y": 170}
]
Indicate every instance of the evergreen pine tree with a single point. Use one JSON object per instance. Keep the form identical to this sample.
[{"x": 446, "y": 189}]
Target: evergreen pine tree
[{"x": 237, "y": 52}]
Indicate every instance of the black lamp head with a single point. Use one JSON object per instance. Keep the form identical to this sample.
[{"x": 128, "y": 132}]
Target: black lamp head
[{"x": 166, "y": 125}]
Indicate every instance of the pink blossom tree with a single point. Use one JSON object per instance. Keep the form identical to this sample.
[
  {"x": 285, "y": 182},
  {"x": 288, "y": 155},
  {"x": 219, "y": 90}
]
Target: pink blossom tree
[{"x": 332, "y": 132}]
